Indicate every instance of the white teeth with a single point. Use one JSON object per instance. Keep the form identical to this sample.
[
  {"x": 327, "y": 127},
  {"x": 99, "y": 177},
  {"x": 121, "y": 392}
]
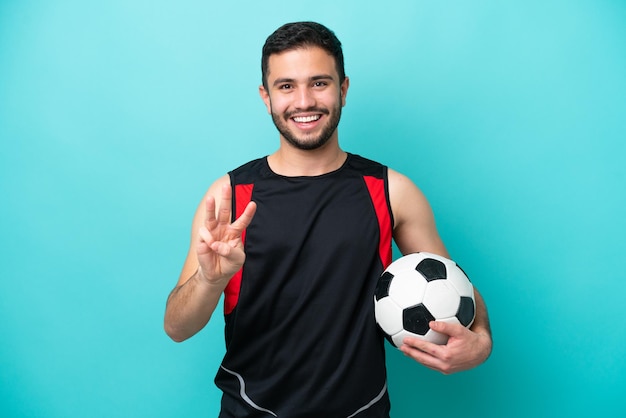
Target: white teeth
[{"x": 305, "y": 119}]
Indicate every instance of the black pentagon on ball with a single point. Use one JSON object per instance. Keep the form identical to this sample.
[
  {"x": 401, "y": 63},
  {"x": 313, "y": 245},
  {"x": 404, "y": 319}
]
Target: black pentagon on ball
[
  {"x": 465, "y": 314},
  {"x": 416, "y": 319},
  {"x": 382, "y": 287},
  {"x": 431, "y": 269}
]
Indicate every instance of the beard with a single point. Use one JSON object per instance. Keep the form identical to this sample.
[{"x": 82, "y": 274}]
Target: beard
[{"x": 310, "y": 141}]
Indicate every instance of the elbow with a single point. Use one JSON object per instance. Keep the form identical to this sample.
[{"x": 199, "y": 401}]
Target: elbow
[
  {"x": 174, "y": 333},
  {"x": 177, "y": 338},
  {"x": 174, "y": 337}
]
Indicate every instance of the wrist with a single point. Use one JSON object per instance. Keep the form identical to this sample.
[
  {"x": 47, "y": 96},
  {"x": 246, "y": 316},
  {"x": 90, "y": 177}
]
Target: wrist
[{"x": 218, "y": 283}]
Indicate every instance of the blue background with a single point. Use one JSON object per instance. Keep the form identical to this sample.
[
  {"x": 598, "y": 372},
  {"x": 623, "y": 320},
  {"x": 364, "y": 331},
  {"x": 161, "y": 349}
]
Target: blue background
[{"x": 116, "y": 116}]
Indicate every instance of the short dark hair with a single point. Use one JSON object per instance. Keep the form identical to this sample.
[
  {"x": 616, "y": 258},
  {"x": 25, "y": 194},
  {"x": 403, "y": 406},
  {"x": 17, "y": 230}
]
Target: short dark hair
[{"x": 299, "y": 35}]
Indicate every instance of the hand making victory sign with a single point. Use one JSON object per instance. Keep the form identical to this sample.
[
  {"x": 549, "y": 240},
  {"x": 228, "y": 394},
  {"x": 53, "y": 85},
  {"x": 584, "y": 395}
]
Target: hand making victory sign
[
  {"x": 219, "y": 246},
  {"x": 216, "y": 255}
]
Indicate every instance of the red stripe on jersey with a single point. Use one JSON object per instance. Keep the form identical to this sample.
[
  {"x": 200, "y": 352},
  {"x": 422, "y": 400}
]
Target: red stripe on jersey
[
  {"x": 376, "y": 189},
  {"x": 243, "y": 195}
]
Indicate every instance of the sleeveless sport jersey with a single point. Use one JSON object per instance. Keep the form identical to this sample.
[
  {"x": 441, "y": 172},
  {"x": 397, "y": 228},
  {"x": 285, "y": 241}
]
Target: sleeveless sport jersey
[{"x": 301, "y": 337}]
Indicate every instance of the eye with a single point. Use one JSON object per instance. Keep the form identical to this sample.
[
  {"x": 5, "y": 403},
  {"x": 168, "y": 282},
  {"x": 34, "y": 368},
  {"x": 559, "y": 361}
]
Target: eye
[
  {"x": 285, "y": 86},
  {"x": 320, "y": 84}
]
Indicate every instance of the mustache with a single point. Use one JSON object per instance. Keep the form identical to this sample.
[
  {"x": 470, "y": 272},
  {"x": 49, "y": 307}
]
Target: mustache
[{"x": 323, "y": 111}]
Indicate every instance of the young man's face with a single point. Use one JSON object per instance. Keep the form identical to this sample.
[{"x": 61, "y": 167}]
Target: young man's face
[{"x": 304, "y": 96}]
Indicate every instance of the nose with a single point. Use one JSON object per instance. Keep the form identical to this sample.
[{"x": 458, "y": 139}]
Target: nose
[{"x": 305, "y": 99}]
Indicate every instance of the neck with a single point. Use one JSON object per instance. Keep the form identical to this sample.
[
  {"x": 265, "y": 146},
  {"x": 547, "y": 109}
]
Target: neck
[{"x": 292, "y": 162}]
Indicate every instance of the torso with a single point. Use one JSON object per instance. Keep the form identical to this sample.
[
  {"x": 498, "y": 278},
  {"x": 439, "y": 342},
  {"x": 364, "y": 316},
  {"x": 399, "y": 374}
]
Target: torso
[{"x": 300, "y": 330}]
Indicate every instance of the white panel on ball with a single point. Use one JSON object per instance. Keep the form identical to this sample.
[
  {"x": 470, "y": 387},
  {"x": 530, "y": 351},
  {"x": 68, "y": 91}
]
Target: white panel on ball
[
  {"x": 389, "y": 315},
  {"x": 407, "y": 287},
  {"x": 460, "y": 281},
  {"x": 441, "y": 299}
]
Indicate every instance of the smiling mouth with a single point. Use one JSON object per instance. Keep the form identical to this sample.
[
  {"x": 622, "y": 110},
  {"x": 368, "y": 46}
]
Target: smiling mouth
[{"x": 306, "y": 119}]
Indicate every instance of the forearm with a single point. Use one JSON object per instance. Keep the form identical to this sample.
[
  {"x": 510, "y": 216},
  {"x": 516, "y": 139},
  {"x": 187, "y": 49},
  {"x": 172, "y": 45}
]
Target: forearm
[
  {"x": 481, "y": 320},
  {"x": 481, "y": 324},
  {"x": 190, "y": 306}
]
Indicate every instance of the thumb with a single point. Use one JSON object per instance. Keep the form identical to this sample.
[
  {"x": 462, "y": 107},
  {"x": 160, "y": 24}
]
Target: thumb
[
  {"x": 224, "y": 249},
  {"x": 452, "y": 330}
]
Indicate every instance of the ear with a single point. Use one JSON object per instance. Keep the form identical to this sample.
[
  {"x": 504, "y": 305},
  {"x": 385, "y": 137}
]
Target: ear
[
  {"x": 344, "y": 90},
  {"x": 265, "y": 96}
]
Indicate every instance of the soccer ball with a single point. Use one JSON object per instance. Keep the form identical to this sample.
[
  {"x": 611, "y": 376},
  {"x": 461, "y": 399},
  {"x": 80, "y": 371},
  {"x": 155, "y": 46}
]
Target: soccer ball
[{"x": 419, "y": 288}]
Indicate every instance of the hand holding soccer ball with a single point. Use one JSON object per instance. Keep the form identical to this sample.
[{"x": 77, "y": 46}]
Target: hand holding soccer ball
[{"x": 417, "y": 289}]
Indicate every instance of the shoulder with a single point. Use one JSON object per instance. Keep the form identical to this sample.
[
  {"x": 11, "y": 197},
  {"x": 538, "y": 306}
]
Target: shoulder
[
  {"x": 402, "y": 188},
  {"x": 365, "y": 166},
  {"x": 245, "y": 173},
  {"x": 249, "y": 171},
  {"x": 215, "y": 191},
  {"x": 216, "y": 188},
  {"x": 360, "y": 161}
]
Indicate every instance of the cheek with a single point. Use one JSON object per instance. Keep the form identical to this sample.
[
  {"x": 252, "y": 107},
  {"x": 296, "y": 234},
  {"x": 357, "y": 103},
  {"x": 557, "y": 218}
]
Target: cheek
[{"x": 277, "y": 106}]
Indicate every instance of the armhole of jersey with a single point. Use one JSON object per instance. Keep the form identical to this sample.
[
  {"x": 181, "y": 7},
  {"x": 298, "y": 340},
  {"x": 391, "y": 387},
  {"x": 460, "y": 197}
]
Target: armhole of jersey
[
  {"x": 242, "y": 194},
  {"x": 378, "y": 193}
]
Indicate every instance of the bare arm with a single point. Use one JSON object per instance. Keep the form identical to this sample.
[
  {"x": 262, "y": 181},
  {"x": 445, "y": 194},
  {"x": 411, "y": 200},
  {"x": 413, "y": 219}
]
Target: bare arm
[
  {"x": 415, "y": 231},
  {"x": 215, "y": 255}
]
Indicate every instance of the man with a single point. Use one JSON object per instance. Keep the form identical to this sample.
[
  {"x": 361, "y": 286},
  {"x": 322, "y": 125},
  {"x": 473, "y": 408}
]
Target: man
[{"x": 296, "y": 241}]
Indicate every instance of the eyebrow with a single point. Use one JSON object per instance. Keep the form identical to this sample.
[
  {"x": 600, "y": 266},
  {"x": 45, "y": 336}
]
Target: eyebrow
[{"x": 293, "y": 80}]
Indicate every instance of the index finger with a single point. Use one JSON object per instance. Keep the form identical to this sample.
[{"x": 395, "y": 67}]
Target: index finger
[
  {"x": 245, "y": 218},
  {"x": 421, "y": 345}
]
